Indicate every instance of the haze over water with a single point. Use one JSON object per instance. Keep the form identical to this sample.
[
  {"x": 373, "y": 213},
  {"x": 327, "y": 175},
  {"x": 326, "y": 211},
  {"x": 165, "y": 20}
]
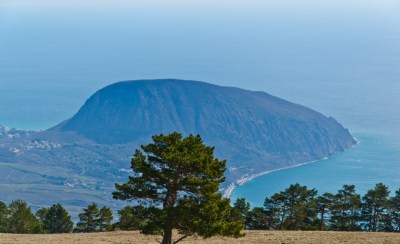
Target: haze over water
[{"x": 341, "y": 58}]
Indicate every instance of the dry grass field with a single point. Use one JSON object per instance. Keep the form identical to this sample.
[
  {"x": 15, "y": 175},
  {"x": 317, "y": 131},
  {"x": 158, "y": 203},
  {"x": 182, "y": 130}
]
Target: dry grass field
[{"x": 281, "y": 237}]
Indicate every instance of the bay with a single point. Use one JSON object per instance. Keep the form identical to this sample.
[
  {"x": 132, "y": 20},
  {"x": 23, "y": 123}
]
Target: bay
[{"x": 370, "y": 162}]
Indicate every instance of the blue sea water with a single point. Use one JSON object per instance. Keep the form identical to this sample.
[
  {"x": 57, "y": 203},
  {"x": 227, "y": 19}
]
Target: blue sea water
[
  {"x": 372, "y": 161},
  {"x": 342, "y": 60}
]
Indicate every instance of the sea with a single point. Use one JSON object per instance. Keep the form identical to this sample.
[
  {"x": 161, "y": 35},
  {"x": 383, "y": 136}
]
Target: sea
[{"x": 341, "y": 58}]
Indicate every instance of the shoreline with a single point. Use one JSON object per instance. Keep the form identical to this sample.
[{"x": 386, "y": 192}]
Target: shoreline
[
  {"x": 246, "y": 178},
  {"x": 227, "y": 193}
]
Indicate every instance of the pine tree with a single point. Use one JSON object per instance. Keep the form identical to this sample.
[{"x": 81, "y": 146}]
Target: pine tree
[
  {"x": 104, "y": 219},
  {"x": 88, "y": 221},
  {"x": 275, "y": 211},
  {"x": 21, "y": 219},
  {"x": 243, "y": 208},
  {"x": 294, "y": 208},
  {"x": 374, "y": 208},
  {"x": 3, "y": 217},
  {"x": 324, "y": 206},
  {"x": 182, "y": 176},
  {"x": 56, "y": 219},
  {"x": 394, "y": 212},
  {"x": 257, "y": 219},
  {"x": 42, "y": 213},
  {"x": 345, "y": 209}
]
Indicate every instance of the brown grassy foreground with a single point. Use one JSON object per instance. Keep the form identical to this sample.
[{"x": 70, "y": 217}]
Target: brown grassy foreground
[{"x": 251, "y": 237}]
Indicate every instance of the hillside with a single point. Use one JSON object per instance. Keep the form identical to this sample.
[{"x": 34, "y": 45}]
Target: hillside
[
  {"x": 251, "y": 129},
  {"x": 79, "y": 160}
]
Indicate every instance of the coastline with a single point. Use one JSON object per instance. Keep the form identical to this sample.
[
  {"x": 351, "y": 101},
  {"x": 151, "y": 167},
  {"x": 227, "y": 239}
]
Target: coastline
[{"x": 246, "y": 178}]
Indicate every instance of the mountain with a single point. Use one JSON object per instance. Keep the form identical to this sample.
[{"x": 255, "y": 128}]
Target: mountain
[
  {"x": 83, "y": 156},
  {"x": 251, "y": 129}
]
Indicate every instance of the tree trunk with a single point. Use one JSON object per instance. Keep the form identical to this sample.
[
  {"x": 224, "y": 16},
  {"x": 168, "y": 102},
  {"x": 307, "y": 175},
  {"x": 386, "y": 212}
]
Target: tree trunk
[{"x": 167, "y": 236}]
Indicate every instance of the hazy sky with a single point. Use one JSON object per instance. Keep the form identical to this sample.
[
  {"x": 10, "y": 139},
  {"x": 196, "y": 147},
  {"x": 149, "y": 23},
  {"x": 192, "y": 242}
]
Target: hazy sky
[
  {"x": 300, "y": 50},
  {"x": 204, "y": 3}
]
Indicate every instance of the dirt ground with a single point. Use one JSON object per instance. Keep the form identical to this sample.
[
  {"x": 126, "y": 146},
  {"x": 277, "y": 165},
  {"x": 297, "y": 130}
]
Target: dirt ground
[{"x": 281, "y": 237}]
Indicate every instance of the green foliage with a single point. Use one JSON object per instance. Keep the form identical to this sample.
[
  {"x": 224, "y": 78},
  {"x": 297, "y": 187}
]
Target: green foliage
[
  {"x": 88, "y": 219},
  {"x": 299, "y": 208},
  {"x": 154, "y": 221},
  {"x": 345, "y": 209},
  {"x": 394, "y": 212},
  {"x": 3, "y": 217},
  {"x": 181, "y": 176},
  {"x": 292, "y": 209},
  {"x": 324, "y": 206},
  {"x": 257, "y": 219},
  {"x": 42, "y": 213},
  {"x": 21, "y": 219},
  {"x": 130, "y": 218},
  {"x": 138, "y": 218},
  {"x": 243, "y": 208},
  {"x": 274, "y": 211},
  {"x": 374, "y": 208},
  {"x": 94, "y": 219},
  {"x": 207, "y": 214},
  {"x": 104, "y": 219},
  {"x": 55, "y": 219}
]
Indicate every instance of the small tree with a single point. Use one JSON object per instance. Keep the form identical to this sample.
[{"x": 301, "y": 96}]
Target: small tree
[
  {"x": 42, "y": 213},
  {"x": 56, "y": 219},
  {"x": 275, "y": 211},
  {"x": 104, "y": 219},
  {"x": 345, "y": 209},
  {"x": 181, "y": 176},
  {"x": 243, "y": 207},
  {"x": 3, "y": 217},
  {"x": 374, "y": 208},
  {"x": 293, "y": 209},
  {"x": 21, "y": 219},
  {"x": 88, "y": 221},
  {"x": 257, "y": 219},
  {"x": 394, "y": 211},
  {"x": 324, "y": 205}
]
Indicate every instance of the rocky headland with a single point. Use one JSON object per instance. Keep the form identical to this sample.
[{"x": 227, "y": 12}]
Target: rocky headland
[{"x": 86, "y": 154}]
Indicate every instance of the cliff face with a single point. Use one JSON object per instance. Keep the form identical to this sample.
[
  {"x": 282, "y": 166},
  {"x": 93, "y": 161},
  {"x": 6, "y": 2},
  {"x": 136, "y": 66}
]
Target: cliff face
[{"x": 250, "y": 129}]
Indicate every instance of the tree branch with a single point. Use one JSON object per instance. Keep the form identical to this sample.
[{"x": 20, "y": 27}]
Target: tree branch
[{"x": 180, "y": 239}]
